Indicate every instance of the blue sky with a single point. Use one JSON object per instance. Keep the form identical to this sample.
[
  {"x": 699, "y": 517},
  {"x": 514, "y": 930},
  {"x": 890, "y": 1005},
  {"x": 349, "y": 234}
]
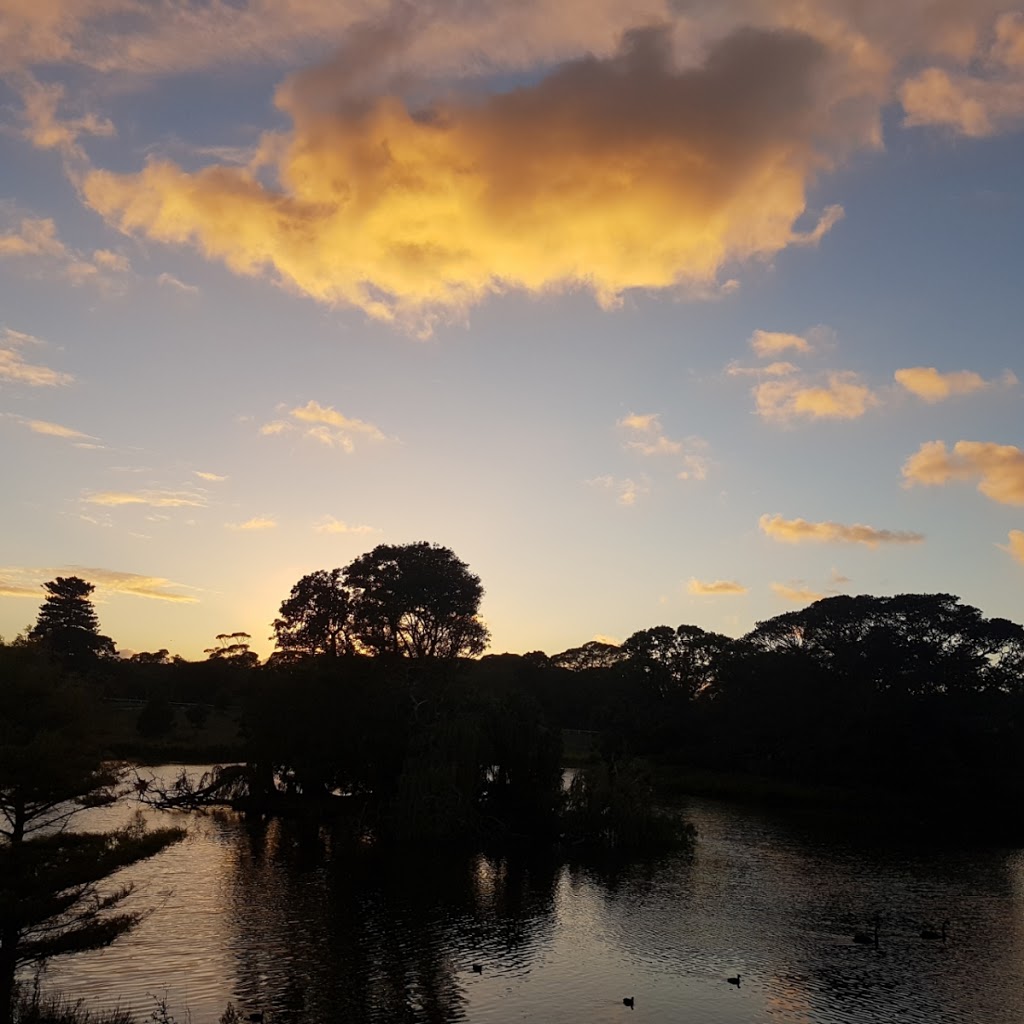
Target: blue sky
[{"x": 686, "y": 323}]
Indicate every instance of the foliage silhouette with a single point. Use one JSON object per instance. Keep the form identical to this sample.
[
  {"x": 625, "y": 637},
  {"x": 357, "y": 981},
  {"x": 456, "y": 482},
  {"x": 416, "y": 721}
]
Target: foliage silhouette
[
  {"x": 316, "y": 618},
  {"x": 53, "y": 900},
  {"x": 67, "y": 625}
]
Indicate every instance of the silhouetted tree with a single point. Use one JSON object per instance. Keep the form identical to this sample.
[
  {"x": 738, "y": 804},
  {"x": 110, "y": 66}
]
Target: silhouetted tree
[
  {"x": 416, "y": 600},
  {"x": 592, "y": 654},
  {"x": 67, "y": 625},
  {"x": 316, "y": 618},
  {"x": 53, "y": 900},
  {"x": 233, "y": 648}
]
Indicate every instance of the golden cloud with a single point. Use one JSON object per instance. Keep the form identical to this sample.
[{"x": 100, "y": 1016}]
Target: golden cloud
[
  {"x": 56, "y": 430},
  {"x": 999, "y": 467},
  {"x": 35, "y": 239},
  {"x": 1015, "y": 545},
  {"x": 215, "y": 478},
  {"x": 772, "y": 343},
  {"x": 926, "y": 382},
  {"x": 704, "y": 588},
  {"x": 328, "y": 524},
  {"x": 796, "y": 593},
  {"x": 844, "y": 397},
  {"x": 983, "y": 101},
  {"x": 256, "y": 523},
  {"x": 653, "y": 442},
  {"x": 14, "y": 582},
  {"x": 13, "y": 366},
  {"x": 797, "y": 531},
  {"x": 610, "y": 173},
  {"x": 152, "y": 498},
  {"x": 154, "y": 587}
]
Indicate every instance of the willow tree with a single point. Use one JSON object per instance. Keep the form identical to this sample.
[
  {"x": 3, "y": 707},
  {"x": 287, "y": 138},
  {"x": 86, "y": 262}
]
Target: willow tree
[{"x": 56, "y": 893}]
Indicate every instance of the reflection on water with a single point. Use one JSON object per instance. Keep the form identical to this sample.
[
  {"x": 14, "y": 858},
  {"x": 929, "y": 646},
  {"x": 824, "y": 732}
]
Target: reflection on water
[{"x": 280, "y": 917}]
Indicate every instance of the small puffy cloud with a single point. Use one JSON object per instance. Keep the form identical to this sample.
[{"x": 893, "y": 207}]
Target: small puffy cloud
[
  {"x": 1015, "y": 545},
  {"x": 772, "y": 343},
  {"x": 611, "y": 172},
  {"x": 796, "y": 592},
  {"x": 999, "y": 468},
  {"x": 328, "y": 524},
  {"x": 56, "y": 430},
  {"x": 151, "y": 498},
  {"x": 842, "y": 397},
  {"x": 275, "y": 427},
  {"x": 798, "y": 531},
  {"x": 708, "y": 588},
  {"x": 926, "y": 382},
  {"x": 627, "y": 491},
  {"x": 838, "y": 579},
  {"x": 645, "y": 423},
  {"x": 13, "y": 366},
  {"x": 256, "y": 523},
  {"x": 214, "y": 478}
]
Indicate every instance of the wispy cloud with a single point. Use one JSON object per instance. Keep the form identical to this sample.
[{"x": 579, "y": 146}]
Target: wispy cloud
[
  {"x": 324, "y": 424},
  {"x": 926, "y": 382},
  {"x": 328, "y": 524},
  {"x": 214, "y": 478},
  {"x": 796, "y": 592},
  {"x": 779, "y": 369},
  {"x": 710, "y": 588},
  {"x": 152, "y": 498},
  {"x": 256, "y": 523},
  {"x": 842, "y": 397},
  {"x": 627, "y": 491},
  {"x": 647, "y": 437},
  {"x": 13, "y": 366},
  {"x": 170, "y": 281},
  {"x": 999, "y": 468},
  {"x": 23, "y": 582},
  {"x": 798, "y": 531},
  {"x": 35, "y": 240},
  {"x": 56, "y": 430}
]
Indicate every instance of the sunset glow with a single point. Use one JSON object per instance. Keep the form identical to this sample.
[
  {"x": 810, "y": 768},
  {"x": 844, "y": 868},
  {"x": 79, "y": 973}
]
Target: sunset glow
[{"x": 650, "y": 315}]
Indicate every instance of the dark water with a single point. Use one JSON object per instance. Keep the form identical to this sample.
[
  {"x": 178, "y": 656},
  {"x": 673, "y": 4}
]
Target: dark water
[{"x": 277, "y": 917}]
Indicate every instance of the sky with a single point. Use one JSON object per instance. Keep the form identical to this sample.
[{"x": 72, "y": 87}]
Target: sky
[{"x": 654, "y": 313}]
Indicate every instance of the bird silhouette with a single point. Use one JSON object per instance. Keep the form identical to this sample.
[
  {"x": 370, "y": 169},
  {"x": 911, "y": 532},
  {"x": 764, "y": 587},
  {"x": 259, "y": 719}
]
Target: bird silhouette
[
  {"x": 478, "y": 968},
  {"x": 629, "y": 1001},
  {"x": 927, "y": 932},
  {"x": 255, "y": 1018},
  {"x": 734, "y": 981}
]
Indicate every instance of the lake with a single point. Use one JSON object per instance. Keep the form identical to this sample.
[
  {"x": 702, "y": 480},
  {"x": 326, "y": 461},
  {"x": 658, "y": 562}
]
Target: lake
[{"x": 276, "y": 916}]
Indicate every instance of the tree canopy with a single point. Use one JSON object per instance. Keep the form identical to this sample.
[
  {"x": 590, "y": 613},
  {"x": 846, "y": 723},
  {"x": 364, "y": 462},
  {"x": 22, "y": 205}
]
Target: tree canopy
[
  {"x": 67, "y": 625},
  {"x": 316, "y": 618}
]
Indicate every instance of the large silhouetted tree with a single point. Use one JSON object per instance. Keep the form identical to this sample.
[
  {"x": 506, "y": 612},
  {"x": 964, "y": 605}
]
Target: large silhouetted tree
[
  {"x": 56, "y": 896},
  {"x": 67, "y": 625},
  {"x": 316, "y": 618},
  {"x": 417, "y": 600}
]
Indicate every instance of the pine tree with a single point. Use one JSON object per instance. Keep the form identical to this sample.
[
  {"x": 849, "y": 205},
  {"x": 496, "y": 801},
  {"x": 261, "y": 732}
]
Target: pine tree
[
  {"x": 67, "y": 625},
  {"x": 55, "y": 898}
]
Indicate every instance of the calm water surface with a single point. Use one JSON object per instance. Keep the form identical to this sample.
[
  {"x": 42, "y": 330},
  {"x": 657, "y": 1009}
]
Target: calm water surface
[{"x": 275, "y": 916}]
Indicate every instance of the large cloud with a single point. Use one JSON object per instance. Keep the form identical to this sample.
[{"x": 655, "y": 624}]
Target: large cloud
[
  {"x": 609, "y": 174},
  {"x": 798, "y": 531},
  {"x": 999, "y": 468}
]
